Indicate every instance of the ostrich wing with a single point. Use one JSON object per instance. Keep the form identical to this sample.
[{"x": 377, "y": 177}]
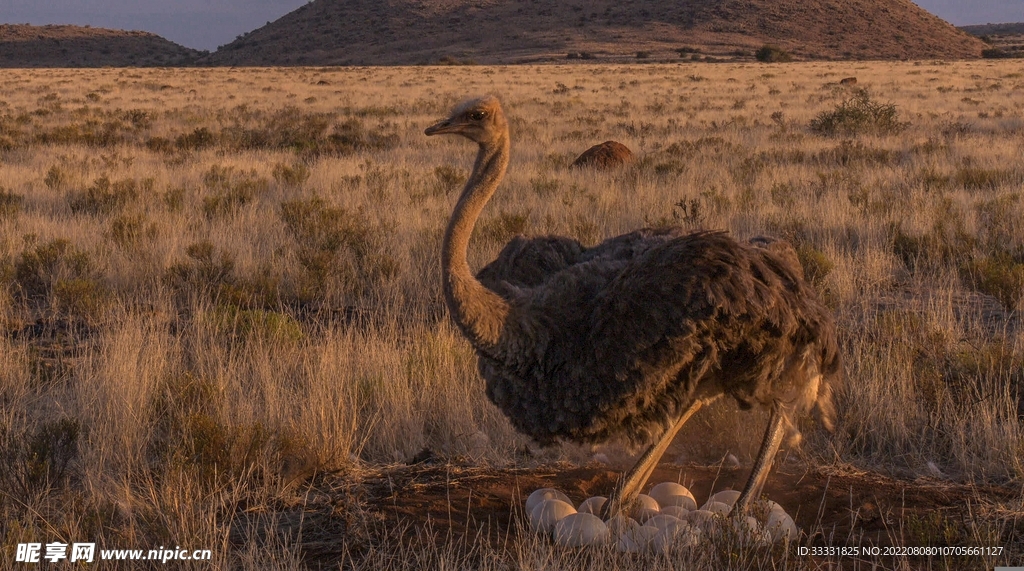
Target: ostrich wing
[
  {"x": 701, "y": 309},
  {"x": 530, "y": 262}
]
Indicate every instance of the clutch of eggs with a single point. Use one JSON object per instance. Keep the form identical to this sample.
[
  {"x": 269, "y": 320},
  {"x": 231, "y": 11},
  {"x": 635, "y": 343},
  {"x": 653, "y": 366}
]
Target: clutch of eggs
[{"x": 667, "y": 517}]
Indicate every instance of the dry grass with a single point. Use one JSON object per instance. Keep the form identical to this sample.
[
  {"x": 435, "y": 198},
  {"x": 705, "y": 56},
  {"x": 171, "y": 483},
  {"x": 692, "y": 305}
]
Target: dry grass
[{"x": 218, "y": 283}]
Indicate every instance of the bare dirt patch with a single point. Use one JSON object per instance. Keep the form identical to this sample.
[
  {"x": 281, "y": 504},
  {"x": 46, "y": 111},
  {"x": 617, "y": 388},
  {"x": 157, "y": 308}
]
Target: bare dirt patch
[{"x": 456, "y": 503}]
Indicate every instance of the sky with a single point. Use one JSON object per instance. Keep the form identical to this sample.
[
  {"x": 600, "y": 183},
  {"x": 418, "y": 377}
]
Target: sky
[{"x": 206, "y": 24}]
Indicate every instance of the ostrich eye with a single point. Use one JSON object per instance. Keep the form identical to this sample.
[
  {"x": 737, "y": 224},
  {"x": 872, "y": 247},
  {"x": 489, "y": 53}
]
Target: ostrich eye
[{"x": 477, "y": 115}]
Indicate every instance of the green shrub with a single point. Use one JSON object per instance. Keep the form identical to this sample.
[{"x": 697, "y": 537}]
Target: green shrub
[
  {"x": 257, "y": 324},
  {"x": 105, "y": 197},
  {"x": 10, "y": 203},
  {"x": 295, "y": 175},
  {"x": 503, "y": 226},
  {"x": 60, "y": 280},
  {"x": 859, "y": 115},
  {"x": 448, "y": 179},
  {"x": 232, "y": 189},
  {"x": 56, "y": 178},
  {"x": 999, "y": 275},
  {"x": 126, "y": 231},
  {"x": 773, "y": 54},
  {"x": 816, "y": 264},
  {"x": 978, "y": 178},
  {"x": 947, "y": 242},
  {"x": 199, "y": 139},
  {"x": 336, "y": 247},
  {"x": 204, "y": 272},
  {"x": 36, "y": 461}
]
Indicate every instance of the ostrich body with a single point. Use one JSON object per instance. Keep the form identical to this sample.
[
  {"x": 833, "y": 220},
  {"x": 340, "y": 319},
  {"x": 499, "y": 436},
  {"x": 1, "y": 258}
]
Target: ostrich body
[{"x": 631, "y": 337}]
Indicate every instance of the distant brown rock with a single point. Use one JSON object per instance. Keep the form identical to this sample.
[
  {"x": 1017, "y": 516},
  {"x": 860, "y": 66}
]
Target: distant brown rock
[
  {"x": 607, "y": 155},
  {"x": 848, "y": 81}
]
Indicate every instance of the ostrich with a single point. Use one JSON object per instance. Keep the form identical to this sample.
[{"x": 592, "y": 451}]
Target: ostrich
[{"x": 630, "y": 338}]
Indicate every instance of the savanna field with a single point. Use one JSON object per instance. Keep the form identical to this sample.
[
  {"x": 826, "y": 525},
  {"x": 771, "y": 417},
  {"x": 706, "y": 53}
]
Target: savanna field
[{"x": 222, "y": 322}]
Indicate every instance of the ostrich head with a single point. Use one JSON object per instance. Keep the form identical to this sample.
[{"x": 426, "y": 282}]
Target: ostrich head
[{"x": 479, "y": 120}]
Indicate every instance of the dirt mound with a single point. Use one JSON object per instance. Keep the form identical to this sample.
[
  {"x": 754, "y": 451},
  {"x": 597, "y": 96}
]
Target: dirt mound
[
  {"x": 22, "y": 45},
  {"x": 370, "y": 32},
  {"x": 607, "y": 155},
  {"x": 833, "y": 506}
]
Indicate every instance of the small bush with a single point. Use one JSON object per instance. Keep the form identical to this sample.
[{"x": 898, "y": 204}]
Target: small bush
[
  {"x": 978, "y": 178},
  {"x": 105, "y": 197},
  {"x": 859, "y": 115},
  {"x": 448, "y": 179},
  {"x": 56, "y": 178},
  {"x": 204, "y": 273},
  {"x": 505, "y": 225},
  {"x": 242, "y": 325},
  {"x": 37, "y": 461},
  {"x": 232, "y": 189},
  {"x": 60, "y": 280},
  {"x": 295, "y": 175},
  {"x": 336, "y": 247},
  {"x": 198, "y": 140},
  {"x": 10, "y": 203},
  {"x": 855, "y": 152},
  {"x": 999, "y": 275},
  {"x": 773, "y": 54},
  {"x": 947, "y": 242},
  {"x": 816, "y": 264},
  {"x": 127, "y": 231}
]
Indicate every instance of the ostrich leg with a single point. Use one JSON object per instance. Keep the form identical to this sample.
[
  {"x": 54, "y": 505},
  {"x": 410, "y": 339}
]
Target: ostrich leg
[
  {"x": 763, "y": 464},
  {"x": 626, "y": 492}
]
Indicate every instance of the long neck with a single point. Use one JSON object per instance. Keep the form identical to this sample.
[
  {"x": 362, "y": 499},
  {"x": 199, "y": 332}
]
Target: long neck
[{"x": 479, "y": 312}]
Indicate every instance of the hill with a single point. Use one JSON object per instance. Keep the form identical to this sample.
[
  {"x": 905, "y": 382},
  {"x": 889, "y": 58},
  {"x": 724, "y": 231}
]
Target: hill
[
  {"x": 1009, "y": 29},
  {"x": 22, "y": 45},
  {"x": 1006, "y": 40},
  {"x": 381, "y": 32}
]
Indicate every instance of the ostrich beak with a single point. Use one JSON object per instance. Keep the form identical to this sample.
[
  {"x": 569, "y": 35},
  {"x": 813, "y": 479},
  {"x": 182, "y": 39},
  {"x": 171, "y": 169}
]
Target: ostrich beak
[{"x": 439, "y": 128}]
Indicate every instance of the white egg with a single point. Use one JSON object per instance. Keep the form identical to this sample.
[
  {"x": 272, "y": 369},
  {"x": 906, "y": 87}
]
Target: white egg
[
  {"x": 727, "y": 497},
  {"x": 646, "y": 507},
  {"x": 679, "y": 535},
  {"x": 549, "y": 512},
  {"x": 749, "y": 529},
  {"x": 662, "y": 521},
  {"x": 701, "y": 518},
  {"x": 717, "y": 507},
  {"x": 637, "y": 540},
  {"x": 781, "y": 526},
  {"x": 544, "y": 494},
  {"x": 675, "y": 511},
  {"x": 581, "y": 529},
  {"x": 592, "y": 505},
  {"x": 643, "y": 535},
  {"x": 673, "y": 494},
  {"x": 626, "y": 544},
  {"x": 620, "y": 525}
]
